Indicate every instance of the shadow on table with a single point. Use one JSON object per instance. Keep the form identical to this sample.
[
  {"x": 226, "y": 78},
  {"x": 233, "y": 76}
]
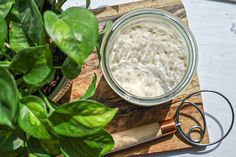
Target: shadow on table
[
  {"x": 193, "y": 150},
  {"x": 225, "y": 1}
]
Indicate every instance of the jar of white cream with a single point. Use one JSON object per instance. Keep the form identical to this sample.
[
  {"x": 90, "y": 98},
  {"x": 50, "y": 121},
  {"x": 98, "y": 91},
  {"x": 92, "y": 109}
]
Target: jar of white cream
[{"x": 148, "y": 57}]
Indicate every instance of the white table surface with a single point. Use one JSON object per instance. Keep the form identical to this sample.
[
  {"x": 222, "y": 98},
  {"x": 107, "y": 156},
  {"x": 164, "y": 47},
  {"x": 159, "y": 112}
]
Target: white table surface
[{"x": 213, "y": 24}]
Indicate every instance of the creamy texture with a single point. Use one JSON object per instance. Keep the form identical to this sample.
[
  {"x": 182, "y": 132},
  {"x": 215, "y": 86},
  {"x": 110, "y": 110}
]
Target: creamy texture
[{"x": 148, "y": 59}]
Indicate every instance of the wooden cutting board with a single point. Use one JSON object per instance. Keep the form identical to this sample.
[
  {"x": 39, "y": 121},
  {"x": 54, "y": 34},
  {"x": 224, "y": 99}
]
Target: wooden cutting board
[{"x": 129, "y": 115}]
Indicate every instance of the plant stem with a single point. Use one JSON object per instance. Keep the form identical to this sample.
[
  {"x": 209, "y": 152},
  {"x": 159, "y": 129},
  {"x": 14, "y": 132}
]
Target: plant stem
[
  {"x": 57, "y": 67},
  {"x": 88, "y": 3},
  {"x": 45, "y": 99},
  {"x": 53, "y": 5},
  {"x": 59, "y": 4},
  {"x": 8, "y": 57}
]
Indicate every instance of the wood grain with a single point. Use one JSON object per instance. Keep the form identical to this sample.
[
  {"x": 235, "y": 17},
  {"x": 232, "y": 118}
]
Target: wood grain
[{"x": 129, "y": 115}]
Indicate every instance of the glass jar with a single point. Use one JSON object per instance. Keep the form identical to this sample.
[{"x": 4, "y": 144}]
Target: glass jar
[{"x": 140, "y": 16}]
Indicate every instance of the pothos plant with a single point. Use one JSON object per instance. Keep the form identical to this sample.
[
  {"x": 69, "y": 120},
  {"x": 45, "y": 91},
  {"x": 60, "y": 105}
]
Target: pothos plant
[{"x": 30, "y": 124}]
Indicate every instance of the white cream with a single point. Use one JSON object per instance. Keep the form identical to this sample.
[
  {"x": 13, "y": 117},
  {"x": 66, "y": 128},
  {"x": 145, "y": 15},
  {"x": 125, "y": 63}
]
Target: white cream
[{"x": 148, "y": 59}]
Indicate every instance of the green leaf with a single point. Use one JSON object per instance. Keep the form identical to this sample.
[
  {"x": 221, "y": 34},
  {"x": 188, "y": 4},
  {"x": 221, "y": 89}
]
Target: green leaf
[
  {"x": 36, "y": 149},
  {"x": 91, "y": 89},
  {"x": 18, "y": 40},
  {"x": 81, "y": 118},
  {"x": 8, "y": 98},
  {"x": 35, "y": 87},
  {"x": 42, "y": 71},
  {"x": 5, "y": 64},
  {"x": 9, "y": 141},
  {"x": 70, "y": 69},
  {"x": 93, "y": 146},
  {"x": 51, "y": 146},
  {"x": 33, "y": 116},
  {"x": 5, "y": 6},
  {"x": 102, "y": 140},
  {"x": 3, "y": 33},
  {"x": 38, "y": 155},
  {"x": 68, "y": 126},
  {"x": 75, "y": 36},
  {"x": 21, "y": 62},
  {"x": 31, "y": 21},
  {"x": 21, "y": 152},
  {"x": 40, "y": 75}
]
